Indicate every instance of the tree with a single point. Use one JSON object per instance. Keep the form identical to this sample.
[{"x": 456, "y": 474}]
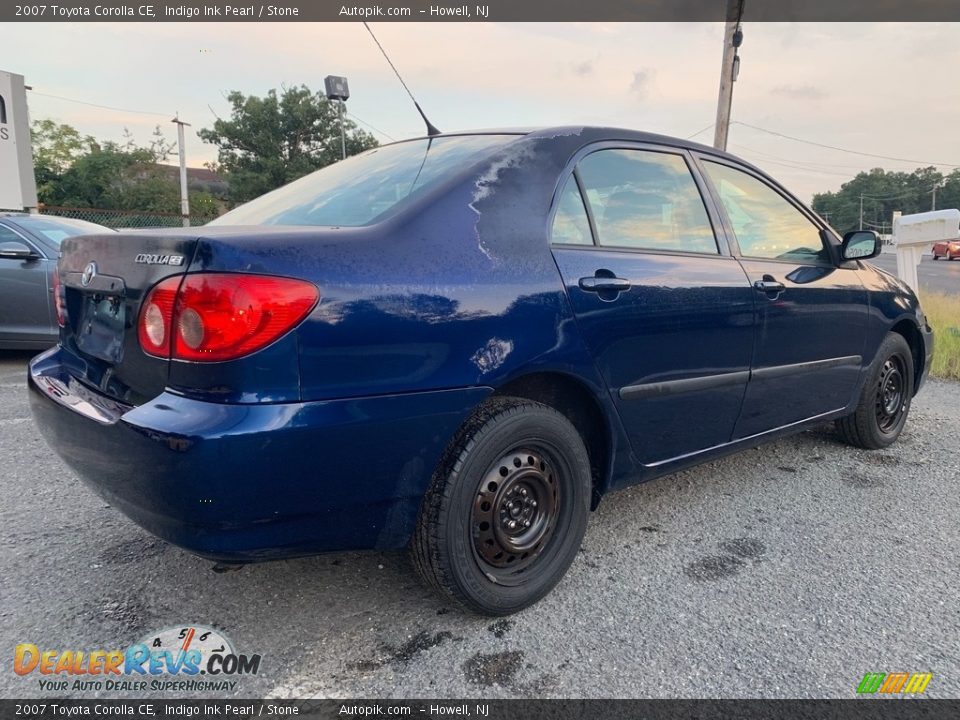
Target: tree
[
  {"x": 114, "y": 176},
  {"x": 270, "y": 141},
  {"x": 884, "y": 192},
  {"x": 55, "y": 148}
]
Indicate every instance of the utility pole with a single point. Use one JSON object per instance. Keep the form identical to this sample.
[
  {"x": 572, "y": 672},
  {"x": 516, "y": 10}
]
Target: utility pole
[
  {"x": 729, "y": 70},
  {"x": 934, "y": 205},
  {"x": 184, "y": 198},
  {"x": 861, "y": 211}
]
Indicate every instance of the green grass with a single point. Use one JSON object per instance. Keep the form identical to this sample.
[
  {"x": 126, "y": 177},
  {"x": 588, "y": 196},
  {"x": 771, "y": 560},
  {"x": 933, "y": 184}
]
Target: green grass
[{"x": 943, "y": 314}]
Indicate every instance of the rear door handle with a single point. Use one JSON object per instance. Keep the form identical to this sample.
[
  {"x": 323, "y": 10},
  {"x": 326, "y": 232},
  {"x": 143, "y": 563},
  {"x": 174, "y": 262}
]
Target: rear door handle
[
  {"x": 604, "y": 284},
  {"x": 769, "y": 285}
]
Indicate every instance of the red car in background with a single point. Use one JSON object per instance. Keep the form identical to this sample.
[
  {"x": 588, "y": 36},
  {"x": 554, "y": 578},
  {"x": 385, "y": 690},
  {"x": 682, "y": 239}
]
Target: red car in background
[{"x": 948, "y": 249}]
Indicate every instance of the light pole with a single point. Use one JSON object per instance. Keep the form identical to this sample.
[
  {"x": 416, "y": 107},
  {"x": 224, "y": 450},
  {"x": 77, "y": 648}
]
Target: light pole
[{"x": 337, "y": 89}]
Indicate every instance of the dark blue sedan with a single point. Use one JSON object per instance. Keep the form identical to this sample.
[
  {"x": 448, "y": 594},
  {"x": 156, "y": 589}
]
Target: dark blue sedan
[{"x": 460, "y": 344}]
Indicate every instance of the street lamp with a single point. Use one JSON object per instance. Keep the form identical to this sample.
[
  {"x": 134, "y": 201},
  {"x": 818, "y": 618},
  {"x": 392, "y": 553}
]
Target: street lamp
[{"x": 337, "y": 89}]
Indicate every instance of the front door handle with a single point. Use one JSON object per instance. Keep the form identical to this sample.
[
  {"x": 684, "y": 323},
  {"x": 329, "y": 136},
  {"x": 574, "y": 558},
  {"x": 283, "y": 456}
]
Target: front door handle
[
  {"x": 769, "y": 285},
  {"x": 604, "y": 284}
]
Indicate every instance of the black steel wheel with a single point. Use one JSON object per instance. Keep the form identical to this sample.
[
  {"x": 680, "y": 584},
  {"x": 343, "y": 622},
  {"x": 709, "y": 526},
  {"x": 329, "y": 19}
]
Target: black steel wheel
[
  {"x": 891, "y": 399},
  {"x": 515, "y": 513},
  {"x": 885, "y": 400},
  {"x": 507, "y": 509}
]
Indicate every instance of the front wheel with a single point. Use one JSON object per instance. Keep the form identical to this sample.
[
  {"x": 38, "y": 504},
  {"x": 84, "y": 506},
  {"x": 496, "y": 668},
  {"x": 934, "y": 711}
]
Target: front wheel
[
  {"x": 885, "y": 399},
  {"x": 507, "y": 510}
]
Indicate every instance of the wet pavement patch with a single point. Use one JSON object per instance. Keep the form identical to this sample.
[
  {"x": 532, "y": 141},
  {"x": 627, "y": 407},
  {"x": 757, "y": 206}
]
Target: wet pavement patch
[
  {"x": 875, "y": 458},
  {"x": 713, "y": 567},
  {"x": 401, "y": 655},
  {"x": 140, "y": 548},
  {"x": 500, "y": 627},
  {"x": 127, "y": 614},
  {"x": 490, "y": 669},
  {"x": 862, "y": 482},
  {"x": 737, "y": 552},
  {"x": 747, "y": 548}
]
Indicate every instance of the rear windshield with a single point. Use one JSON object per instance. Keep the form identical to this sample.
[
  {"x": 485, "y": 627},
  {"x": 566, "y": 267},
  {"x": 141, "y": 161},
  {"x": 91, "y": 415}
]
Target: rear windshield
[
  {"x": 361, "y": 189},
  {"x": 53, "y": 230}
]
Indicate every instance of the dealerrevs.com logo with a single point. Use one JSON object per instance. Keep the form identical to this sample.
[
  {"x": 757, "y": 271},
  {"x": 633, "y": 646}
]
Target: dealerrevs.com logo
[{"x": 182, "y": 659}]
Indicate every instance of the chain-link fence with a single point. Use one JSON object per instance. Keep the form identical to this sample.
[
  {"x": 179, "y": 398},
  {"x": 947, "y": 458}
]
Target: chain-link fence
[{"x": 125, "y": 218}]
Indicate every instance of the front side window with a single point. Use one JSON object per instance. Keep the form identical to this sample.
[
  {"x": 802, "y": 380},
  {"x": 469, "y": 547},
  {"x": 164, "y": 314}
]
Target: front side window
[
  {"x": 646, "y": 200},
  {"x": 765, "y": 223},
  {"x": 571, "y": 226}
]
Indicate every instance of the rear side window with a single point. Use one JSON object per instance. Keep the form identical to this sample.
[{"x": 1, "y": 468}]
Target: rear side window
[
  {"x": 571, "y": 226},
  {"x": 766, "y": 224},
  {"x": 647, "y": 200},
  {"x": 362, "y": 189}
]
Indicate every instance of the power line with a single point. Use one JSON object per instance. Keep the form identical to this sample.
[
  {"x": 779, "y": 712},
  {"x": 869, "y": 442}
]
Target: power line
[
  {"x": 147, "y": 112},
  {"x": 816, "y": 171},
  {"x": 812, "y": 163},
  {"x": 912, "y": 193},
  {"x": 840, "y": 149},
  {"x": 362, "y": 122},
  {"x": 700, "y": 132},
  {"x": 102, "y": 107}
]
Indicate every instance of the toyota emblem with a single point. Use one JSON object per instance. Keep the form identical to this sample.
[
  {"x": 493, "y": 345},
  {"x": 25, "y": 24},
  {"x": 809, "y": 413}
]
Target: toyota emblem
[{"x": 89, "y": 273}]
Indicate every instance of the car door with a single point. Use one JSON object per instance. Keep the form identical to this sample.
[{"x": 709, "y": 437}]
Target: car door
[
  {"x": 25, "y": 301},
  {"x": 812, "y": 310},
  {"x": 665, "y": 310}
]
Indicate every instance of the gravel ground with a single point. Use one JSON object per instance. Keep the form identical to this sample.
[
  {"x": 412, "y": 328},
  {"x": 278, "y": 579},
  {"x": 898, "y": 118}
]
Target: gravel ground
[{"x": 785, "y": 571}]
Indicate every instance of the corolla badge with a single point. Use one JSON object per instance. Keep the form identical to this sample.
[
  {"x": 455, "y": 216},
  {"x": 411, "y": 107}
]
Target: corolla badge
[
  {"x": 89, "y": 273},
  {"x": 149, "y": 259}
]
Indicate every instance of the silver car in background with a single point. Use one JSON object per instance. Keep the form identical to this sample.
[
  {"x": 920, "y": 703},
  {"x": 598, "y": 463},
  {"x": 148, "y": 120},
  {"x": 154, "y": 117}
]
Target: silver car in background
[{"x": 29, "y": 248}]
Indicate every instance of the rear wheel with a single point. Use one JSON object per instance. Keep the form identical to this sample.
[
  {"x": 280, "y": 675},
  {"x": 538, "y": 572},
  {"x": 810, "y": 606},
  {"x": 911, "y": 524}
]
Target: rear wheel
[
  {"x": 507, "y": 510},
  {"x": 885, "y": 399}
]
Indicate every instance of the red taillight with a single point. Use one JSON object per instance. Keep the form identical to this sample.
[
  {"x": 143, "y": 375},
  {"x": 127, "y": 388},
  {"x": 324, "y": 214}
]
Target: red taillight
[
  {"x": 59, "y": 301},
  {"x": 156, "y": 317},
  {"x": 223, "y": 316}
]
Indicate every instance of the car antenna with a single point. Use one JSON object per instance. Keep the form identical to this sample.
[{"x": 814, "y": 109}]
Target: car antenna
[{"x": 431, "y": 130}]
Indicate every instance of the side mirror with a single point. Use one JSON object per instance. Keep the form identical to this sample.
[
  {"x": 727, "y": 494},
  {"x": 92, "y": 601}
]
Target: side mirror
[
  {"x": 860, "y": 245},
  {"x": 16, "y": 251}
]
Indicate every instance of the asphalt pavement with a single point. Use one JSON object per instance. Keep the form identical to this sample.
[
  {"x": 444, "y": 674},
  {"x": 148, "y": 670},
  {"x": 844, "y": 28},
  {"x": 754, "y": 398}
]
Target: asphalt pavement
[
  {"x": 785, "y": 571},
  {"x": 934, "y": 275}
]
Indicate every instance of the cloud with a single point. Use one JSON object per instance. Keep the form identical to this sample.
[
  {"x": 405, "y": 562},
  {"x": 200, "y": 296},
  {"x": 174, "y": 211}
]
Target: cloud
[
  {"x": 800, "y": 92},
  {"x": 642, "y": 80},
  {"x": 583, "y": 69}
]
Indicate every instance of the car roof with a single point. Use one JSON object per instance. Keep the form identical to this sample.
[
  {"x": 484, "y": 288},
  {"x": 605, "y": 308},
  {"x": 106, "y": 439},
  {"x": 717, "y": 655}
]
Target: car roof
[
  {"x": 597, "y": 133},
  {"x": 594, "y": 131}
]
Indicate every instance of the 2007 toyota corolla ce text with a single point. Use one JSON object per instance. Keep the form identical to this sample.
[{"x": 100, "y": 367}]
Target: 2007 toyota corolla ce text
[{"x": 460, "y": 344}]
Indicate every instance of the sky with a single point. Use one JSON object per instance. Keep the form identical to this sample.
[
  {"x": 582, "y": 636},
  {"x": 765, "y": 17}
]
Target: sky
[{"x": 881, "y": 88}]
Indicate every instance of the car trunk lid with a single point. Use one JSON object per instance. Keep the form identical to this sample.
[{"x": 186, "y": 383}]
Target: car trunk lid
[{"x": 104, "y": 280}]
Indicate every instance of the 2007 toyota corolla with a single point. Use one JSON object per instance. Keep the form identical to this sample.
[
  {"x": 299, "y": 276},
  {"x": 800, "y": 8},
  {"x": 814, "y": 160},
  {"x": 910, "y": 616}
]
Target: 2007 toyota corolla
[{"x": 460, "y": 344}]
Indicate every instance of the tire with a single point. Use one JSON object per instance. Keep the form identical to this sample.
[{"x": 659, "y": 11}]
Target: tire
[
  {"x": 885, "y": 399},
  {"x": 516, "y": 461}
]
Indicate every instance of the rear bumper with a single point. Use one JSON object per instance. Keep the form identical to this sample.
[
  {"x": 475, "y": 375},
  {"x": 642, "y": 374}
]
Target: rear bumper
[{"x": 240, "y": 483}]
